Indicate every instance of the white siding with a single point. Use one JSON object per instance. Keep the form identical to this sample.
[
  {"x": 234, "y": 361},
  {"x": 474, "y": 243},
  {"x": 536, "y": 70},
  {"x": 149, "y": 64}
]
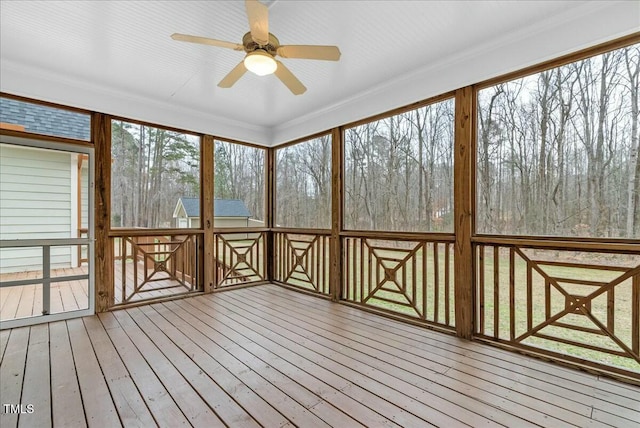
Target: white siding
[
  {"x": 35, "y": 203},
  {"x": 84, "y": 192},
  {"x": 228, "y": 222}
]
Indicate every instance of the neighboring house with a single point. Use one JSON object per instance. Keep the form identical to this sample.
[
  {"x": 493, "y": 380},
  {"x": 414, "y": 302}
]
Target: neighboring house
[
  {"x": 226, "y": 213},
  {"x": 43, "y": 193}
]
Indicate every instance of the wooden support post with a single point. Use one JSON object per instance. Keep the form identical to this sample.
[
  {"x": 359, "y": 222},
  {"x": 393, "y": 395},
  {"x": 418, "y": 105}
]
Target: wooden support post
[
  {"x": 101, "y": 138},
  {"x": 270, "y": 207},
  {"x": 464, "y": 183},
  {"x": 337, "y": 204},
  {"x": 207, "y": 149}
]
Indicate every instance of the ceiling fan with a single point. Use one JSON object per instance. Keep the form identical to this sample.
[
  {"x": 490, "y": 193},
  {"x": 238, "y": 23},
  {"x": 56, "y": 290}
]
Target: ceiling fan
[{"x": 261, "y": 47}]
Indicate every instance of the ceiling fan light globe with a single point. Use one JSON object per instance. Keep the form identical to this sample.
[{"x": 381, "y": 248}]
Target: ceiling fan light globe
[{"x": 260, "y": 62}]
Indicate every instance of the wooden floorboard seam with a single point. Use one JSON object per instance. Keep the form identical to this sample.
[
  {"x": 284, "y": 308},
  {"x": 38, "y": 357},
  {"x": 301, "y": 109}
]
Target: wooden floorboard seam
[
  {"x": 273, "y": 357},
  {"x": 433, "y": 411},
  {"x": 226, "y": 404},
  {"x": 446, "y": 356},
  {"x": 577, "y": 377},
  {"x": 444, "y": 390},
  {"x": 630, "y": 403},
  {"x": 296, "y": 411},
  {"x": 590, "y": 411},
  {"x": 415, "y": 423},
  {"x": 294, "y": 377}
]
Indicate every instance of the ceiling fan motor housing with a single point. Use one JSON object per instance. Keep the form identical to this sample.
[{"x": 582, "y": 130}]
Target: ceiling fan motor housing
[{"x": 250, "y": 45}]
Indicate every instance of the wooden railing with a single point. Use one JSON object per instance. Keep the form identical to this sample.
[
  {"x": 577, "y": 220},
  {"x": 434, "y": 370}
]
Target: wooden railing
[
  {"x": 579, "y": 304},
  {"x": 152, "y": 264},
  {"x": 301, "y": 259},
  {"x": 82, "y": 251},
  {"x": 411, "y": 276},
  {"x": 240, "y": 257},
  {"x": 37, "y": 300}
]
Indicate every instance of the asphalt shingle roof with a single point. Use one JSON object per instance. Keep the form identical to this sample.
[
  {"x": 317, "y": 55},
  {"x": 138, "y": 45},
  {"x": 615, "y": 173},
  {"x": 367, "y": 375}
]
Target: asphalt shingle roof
[
  {"x": 221, "y": 207},
  {"x": 45, "y": 120}
]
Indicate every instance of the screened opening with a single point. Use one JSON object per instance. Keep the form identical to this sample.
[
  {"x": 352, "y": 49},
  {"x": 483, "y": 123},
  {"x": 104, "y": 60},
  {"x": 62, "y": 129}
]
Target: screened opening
[
  {"x": 239, "y": 185},
  {"x": 558, "y": 151},
  {"x": 399, "y": 172},
  {"x": 153, "y": 172},
  {"x": 303, "y": 184}
]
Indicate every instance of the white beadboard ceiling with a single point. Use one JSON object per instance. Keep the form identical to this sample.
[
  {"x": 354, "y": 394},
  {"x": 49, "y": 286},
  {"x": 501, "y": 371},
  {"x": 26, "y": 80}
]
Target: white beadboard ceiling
[{"x": 116, "y": 56}]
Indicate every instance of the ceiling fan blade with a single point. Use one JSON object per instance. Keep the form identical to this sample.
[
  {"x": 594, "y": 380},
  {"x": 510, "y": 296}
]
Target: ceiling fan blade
[
  {"x": 290, "y": 81},
  {"x": 230, "y": 79},
  {"x": 258, "y": 15},
  {"x": 326, "y": 53},
  {"x": 206, "y": 41}
]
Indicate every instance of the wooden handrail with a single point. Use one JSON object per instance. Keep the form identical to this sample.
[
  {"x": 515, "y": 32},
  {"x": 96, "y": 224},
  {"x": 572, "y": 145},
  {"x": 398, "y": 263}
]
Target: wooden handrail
[
  {"x": 400, "y": 236},
  {"x": 121, "y": 233},
  {"x": 301, "y": 231},
  {"x": 617, "y": 246}
]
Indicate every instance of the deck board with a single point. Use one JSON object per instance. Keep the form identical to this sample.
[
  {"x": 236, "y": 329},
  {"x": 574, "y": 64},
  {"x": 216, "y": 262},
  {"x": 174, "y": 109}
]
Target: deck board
[
  {"x": 65, "y": 296},
  {"x": 12, "y": 373},
  {"x": 99, "y": 408},
  {"x": 268, "y": 356},
  {"x": 292, "y": 392},
  {"x": 395, "y": 376},
  {"x": 65, "y": 392},
  {"x": 278, "y": 399},
  {"x": 36, "y": 383},
  {"x": 131, "y": 406},
  {"x": 164, "y": 409},
  {"x": 436, "y": 383},
  {"x": 191, "y": 404},
  {"x": 567, "y": 386},
  {"x": 4, "y": 339},
  {"x": 562, "y": 386}
]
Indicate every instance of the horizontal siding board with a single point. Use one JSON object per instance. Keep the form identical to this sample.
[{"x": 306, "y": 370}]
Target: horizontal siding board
[
  {"x": 47, "y": 217},
  {"x": 31, "y": 187},
  {"x": 31, "y": 204},
  {"x": 26, "y": 153},
  {"x": 26, "y": 216},
  {"x": 32, "y": 253},
  {"x": 56, "y": 161},
  {"x": 38, "y": 196},
  {"x": 36, "y": 231},
  {"x": 59, "y": 181},
  {"x": 44, "y": 170}
]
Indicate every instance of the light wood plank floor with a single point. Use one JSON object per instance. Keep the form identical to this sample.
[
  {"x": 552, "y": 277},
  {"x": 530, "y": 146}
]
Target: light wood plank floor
[
  {"x": 268, "y": 356},
  {"x": 26, "y": 300}
]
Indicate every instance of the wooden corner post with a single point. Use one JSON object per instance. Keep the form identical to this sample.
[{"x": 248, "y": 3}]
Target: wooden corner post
[
  {"x": 337, "y": 204},
  {"x": 270, "y": 205},
  {"x": 101, "y": 138},
  {"x": 207, "y": 148},
  {"x": 463, "y": 186}
]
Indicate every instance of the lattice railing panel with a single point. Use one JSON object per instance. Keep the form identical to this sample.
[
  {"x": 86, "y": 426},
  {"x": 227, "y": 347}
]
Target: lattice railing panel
[
  {"x": 413, "y": 278},
  {"x": 302, "y": 260},
  {"x": 240, "y": 258},
  {"x": 154, "y": 266},
  {"x": 586, "y": 305}
]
